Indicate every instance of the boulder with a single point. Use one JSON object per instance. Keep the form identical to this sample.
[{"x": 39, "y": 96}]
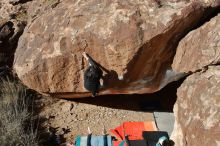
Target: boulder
[
  {"x": 199, "y": 48},
  {"x": 36, "y": 8},
  {"x": 134, "y": 41},
  {"x": 11, "y": 28},
  {"x": 197, "y": 110},
  {"x": 197, "y": 107}
]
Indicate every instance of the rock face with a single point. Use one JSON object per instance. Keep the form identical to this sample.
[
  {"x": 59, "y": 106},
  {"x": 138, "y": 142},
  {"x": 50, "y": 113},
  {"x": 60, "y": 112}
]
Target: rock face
[
  {"x": 134, "y": 40},
  {"x": 199, "y": 48},
  {"x": 197, "y": 110},
  {"x": 9, "y": 34},
  {"x": 197, "y": 107},
  {"x": 11, "y": 27}
]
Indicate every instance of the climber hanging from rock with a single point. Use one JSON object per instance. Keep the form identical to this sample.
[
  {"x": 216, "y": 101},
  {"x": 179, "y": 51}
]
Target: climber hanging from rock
[{"x": 92, "y": 75}]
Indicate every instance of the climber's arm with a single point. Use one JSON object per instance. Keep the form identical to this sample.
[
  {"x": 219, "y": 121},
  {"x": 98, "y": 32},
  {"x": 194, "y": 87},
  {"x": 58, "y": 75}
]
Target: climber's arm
[{"x": 89, "y": 59}]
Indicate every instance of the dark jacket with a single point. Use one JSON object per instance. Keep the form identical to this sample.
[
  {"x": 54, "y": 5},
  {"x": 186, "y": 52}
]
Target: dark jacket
[{"x": 92, "y": 77}]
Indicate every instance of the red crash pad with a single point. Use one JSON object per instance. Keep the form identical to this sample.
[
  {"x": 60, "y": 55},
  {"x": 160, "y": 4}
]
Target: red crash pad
[{"x": 133, "y": 130}]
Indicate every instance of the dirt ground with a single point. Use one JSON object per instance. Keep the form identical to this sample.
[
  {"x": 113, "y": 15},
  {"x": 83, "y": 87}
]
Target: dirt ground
[{"x": 72, "y": 118}]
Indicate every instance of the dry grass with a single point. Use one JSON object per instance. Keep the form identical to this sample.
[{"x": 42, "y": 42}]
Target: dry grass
[{"x": 16, "y": 118}]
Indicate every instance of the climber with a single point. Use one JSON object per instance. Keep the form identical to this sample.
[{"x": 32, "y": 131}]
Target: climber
[{"x": 92, "y": 75}]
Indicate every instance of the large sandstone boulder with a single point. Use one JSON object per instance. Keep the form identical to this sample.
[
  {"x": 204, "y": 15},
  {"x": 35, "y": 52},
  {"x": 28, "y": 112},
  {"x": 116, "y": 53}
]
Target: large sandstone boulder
[
  {"x": 134, "y": 40},
  {"x": 199, "y": 48},
  {"x": 197, "y": 110}
]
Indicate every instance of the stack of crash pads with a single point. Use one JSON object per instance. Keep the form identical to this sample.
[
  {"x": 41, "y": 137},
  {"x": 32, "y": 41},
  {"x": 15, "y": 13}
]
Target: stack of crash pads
[
  {"x": 131, "y": 133},
  {"x": 133, "y": 130},
  {"x": 127, "y": 134},
  {"x": 137, "y": 134}
]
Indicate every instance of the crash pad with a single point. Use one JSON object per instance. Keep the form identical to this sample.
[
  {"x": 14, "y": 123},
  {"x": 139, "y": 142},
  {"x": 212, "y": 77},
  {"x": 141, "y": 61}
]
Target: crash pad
[
  {"x": 133, "y": 130},
  {"x": 91, "y": 140}
]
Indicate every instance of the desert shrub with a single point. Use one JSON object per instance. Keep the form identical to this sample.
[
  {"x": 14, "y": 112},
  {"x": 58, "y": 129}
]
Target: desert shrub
[{"x": 17, "y": 126}]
